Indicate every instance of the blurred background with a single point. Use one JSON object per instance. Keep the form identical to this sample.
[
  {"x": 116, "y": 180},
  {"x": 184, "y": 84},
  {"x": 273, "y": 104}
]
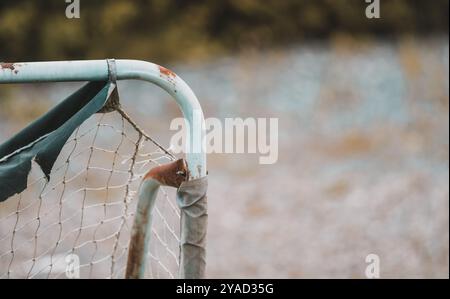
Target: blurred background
[{"x": 363, "y": 108}]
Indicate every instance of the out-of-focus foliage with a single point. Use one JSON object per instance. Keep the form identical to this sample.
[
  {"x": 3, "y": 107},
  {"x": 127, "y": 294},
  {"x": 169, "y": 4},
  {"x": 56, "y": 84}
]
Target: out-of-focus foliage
[{"x": 166, "y": 30}]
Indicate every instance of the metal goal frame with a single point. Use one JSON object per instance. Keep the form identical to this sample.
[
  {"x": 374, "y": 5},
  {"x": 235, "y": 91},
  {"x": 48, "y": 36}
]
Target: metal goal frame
[{"x": 193, "y": 225}]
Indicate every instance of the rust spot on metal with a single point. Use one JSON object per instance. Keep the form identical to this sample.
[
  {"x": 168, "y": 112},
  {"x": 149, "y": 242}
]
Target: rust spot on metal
[
  {"x": 170, "y": 174},
  {"x": 7, "y": 65},
  {"x": 166, "y": 72},
  {"x": 10, "y": 66},
  {"x": 137, "y": 245}
]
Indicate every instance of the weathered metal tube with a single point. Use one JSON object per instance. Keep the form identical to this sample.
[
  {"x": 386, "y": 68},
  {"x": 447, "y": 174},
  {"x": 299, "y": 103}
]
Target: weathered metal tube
[
  {"x": 171, "y": 174},
  {"x": 192, "y": 214},
  {"x": 98, "y": 70}
]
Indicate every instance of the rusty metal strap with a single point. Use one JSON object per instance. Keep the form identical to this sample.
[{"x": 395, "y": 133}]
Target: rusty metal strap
[
  {"x": 113, "y": 102},
  {"x": 112, "y": 70}
]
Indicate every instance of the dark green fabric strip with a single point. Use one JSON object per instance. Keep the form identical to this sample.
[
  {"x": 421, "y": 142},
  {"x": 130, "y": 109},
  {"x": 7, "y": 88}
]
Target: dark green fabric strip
[
  {"x": 53, "y": 119},
  {"x": 59, "y": 123}
]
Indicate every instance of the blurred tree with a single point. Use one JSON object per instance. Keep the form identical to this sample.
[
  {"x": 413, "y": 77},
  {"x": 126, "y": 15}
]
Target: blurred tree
[{"x": 163, "y": 30}]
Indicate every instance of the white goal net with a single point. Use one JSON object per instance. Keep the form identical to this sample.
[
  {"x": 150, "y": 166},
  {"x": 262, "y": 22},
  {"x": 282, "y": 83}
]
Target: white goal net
[{"x": 81, "y": 219}]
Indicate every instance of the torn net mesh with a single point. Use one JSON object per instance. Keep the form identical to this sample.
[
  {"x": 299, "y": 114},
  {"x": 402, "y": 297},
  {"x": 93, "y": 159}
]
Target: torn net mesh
[{"x": 87, "y": 208}]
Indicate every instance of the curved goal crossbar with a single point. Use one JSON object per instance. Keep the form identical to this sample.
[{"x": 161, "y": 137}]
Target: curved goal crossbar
[
  {"x": 98, "y": 70},
  {"x": 191, "y": 192}
]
